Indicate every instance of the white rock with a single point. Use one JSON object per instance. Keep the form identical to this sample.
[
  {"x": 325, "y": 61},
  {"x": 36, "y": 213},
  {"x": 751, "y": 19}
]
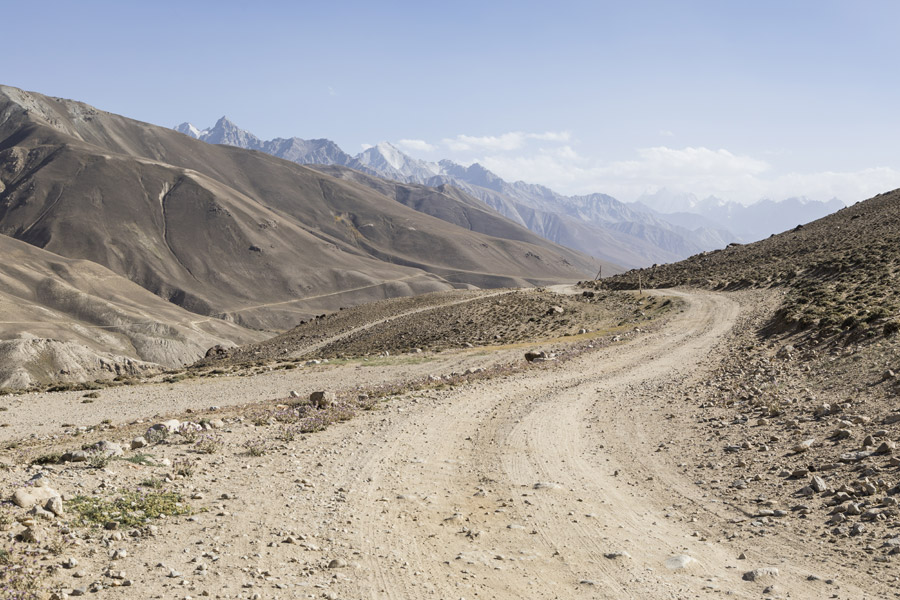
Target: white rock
[
  {"x": 680, "y": 561},
  {"x": 804, "y": 445},
  {"x": 55, "y": 506}
]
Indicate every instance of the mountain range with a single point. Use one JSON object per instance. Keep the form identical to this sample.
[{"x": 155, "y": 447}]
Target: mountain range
[
  {"x": 749, "y": 223},
  {"x": 658, "y": 228},
  {"x": 159, "y": 240}
]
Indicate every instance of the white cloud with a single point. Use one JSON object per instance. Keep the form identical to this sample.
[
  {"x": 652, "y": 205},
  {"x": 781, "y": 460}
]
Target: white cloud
[
  {"x": 666, "y": 133},
  {"x": 696, "y": 170},
  {"x": 507, "y": 141},
  {"x": 687, "y": 163},
  {"x": 549, "y": 159},
  {"x": 416, "y": 145},
  {"x": 550, "y": 136},
  {"x": 366, "y": 146},
  {"x": 513, "y": 140}
]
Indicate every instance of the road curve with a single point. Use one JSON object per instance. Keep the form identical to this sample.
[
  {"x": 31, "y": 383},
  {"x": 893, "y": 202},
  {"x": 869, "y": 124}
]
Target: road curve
[{"x": 546, "y": 485}]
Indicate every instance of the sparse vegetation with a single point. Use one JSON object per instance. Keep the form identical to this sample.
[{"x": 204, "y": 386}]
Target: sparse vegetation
[
  {"x": 50, "y": 458},
  {"x": 140, "y": 459},
  {"x": 256, "y": 447},
  {"x": 99, "y": 459},
  {"x": 21, "y": 578},
  {"x": 184, "y": 467},
  {"x": 131, "y": 509},
  {"x": 156, "y": 436},
  {"x": 209, "y": 443},
  {"x": 189, "y": 432}
]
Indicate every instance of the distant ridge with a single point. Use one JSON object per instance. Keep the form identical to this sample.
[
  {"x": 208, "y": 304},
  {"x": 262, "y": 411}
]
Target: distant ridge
[
  {"x": 233, "y": 237},
  {"x": 630, "y": 234},
  {"x": 598, "y": 225},
  {"x": 838, "y": 274}
]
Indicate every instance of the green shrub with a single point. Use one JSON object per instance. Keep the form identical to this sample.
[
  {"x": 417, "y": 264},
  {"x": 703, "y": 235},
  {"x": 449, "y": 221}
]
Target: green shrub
[{"x": 131, "y": 509}]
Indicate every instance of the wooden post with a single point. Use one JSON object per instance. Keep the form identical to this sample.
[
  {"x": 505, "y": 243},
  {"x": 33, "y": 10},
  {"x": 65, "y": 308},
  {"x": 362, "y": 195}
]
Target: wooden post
[
  {"x": 598, "y": 274},
  {"x": 640, "y": 285}
]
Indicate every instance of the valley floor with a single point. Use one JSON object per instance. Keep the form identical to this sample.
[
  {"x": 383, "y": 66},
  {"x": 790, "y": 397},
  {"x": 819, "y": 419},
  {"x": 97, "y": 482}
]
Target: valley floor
[{"x": 560, "y": 481}]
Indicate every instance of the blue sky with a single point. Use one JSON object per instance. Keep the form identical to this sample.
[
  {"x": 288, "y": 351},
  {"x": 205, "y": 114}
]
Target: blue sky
[{"x": 743, "y": 100}]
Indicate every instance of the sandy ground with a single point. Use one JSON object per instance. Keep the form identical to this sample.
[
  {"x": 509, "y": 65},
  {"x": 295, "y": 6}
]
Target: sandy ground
[{"x": 563, "y": 482}]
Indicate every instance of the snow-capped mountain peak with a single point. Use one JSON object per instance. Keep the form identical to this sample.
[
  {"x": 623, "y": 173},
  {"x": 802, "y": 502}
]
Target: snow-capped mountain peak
[
  {"x": 386, "y": 158},
  {"x": 188, "y": 129}
]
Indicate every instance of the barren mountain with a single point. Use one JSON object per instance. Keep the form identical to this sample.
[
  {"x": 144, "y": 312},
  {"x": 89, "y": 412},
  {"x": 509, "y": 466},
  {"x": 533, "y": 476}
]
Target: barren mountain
[
  {"x": 596, "y": 224},
  {"x": 226, "y": 232},
  {"x": 73, "y": 320}
]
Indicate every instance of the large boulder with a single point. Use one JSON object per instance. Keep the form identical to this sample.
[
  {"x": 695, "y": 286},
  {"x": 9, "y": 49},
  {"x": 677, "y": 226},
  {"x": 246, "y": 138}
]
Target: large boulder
[{"x": 27, "y": 497}]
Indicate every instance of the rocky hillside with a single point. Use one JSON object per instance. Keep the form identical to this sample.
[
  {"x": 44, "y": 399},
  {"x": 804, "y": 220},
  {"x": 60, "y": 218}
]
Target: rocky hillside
[{"x": 839, "y": 273}]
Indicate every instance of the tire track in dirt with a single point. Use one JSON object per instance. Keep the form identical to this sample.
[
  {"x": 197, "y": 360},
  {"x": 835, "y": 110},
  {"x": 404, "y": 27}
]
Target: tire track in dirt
[{"x": 520, "y": 487}]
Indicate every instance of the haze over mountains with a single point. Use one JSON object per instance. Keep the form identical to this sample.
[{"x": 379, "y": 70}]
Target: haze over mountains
[
  {"x": 749, "y": 223},
  {"x": 220, "y": 235},
  {"x": 659, "y": 228}
]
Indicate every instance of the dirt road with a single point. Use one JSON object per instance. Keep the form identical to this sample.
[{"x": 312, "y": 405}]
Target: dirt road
[
  {"x": 574, "y": 480},
  {"x": 530, "y": 487}
]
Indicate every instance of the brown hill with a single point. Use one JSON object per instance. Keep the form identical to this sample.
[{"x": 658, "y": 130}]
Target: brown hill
[
  {"x": 232, "y": 233},
  {"x": 73, "y": 320},
  {"x": 839, "y": 274}
]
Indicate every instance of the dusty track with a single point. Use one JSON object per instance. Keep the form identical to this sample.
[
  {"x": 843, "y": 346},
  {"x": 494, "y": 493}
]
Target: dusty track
[
  {"x": 314, "y": 347},
  {"x": 524, "y": 486},
  {"x": 519, "y": 488}
]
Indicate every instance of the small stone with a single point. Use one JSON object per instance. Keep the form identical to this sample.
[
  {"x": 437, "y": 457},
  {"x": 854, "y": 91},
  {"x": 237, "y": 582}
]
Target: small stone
[
  {"x": 761, "y": 574},
  {"x": 886, "y": 447},
  {"x": 108, "y": 448},
  {"x": 804, "y": 445},
  {"x": 337, "y": 563},
  {"x": 74, "y": 456},
  {"x": 139, "y": 442},
  {"x": 842, "y": 434},
  {"x": 818, "y": 484},
  {"x": 322, "y": 399}
]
